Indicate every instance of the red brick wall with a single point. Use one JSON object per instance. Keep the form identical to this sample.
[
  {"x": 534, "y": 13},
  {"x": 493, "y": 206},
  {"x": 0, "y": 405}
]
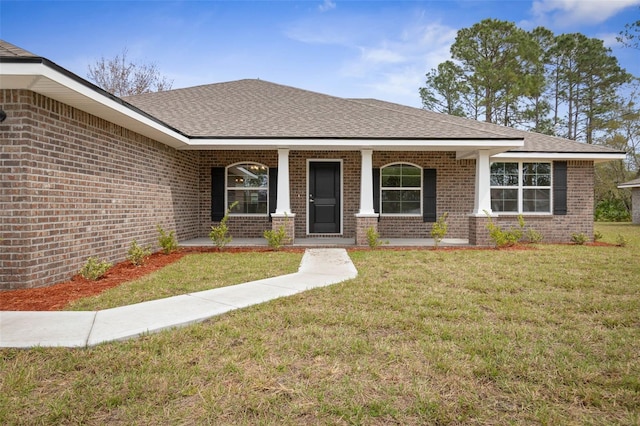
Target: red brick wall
[
  {"x": 239, "y": 226},
  {"x": 579, "y": 217},
  {"x": 73, "y": 186},
  {"x": 455, "y": 187}
]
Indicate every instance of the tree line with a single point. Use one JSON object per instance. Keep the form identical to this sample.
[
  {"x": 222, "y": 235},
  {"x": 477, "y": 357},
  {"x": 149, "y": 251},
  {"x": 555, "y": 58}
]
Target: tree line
[{"x": 566, "y": 85}]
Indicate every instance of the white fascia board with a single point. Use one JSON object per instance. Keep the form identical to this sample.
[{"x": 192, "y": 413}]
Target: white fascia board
[
  {"x": 633, "y": 185},
  {"x": 50, "y": 82},
  {"x": 353, "y": 144},
  {"x": 577, "y": 156}
]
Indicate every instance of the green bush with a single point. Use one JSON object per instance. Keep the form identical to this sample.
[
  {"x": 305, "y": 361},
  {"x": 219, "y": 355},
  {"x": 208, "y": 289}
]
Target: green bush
[
  {"x": 373, "y": 238},
  {"x": 220, "y": 234},
  {"x": 439, "y": 229},
  {"x": 612, "y": 211},
  {"x": 579, "y": 239},
  {"x": 94, "y": 269},
  {"x": 138, "y": 254},
  {"x": 597, "y": 236},
  {"x": 622, "y": 241},
  {"x": 168, "y": 241},
  {"x": 534, "y": 236},
  {"x": 505, "y": 238},
  {"x": 276, "y": 238}
]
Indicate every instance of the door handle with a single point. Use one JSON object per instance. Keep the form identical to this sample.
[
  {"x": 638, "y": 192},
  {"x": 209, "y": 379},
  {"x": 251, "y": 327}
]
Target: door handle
[{"x": 311, "y": 199}]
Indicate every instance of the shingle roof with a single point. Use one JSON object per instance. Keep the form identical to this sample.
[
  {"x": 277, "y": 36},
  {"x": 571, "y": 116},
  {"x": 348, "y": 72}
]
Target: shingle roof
[
  {"x": 260, "y": 109},
  {"x": 9, "y": 50},
  {"x": 533, "y": 142}
]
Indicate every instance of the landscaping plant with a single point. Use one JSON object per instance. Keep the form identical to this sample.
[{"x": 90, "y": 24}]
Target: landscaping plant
[
  {"x": 137, "y": 254},
  {"x": 220, "y": 234},
  {"x": 168, "y": 241},
  {"x": 373, "y": 238},
  {"x": 439, "y": 229},
  {"x": 94, "y": 269}
]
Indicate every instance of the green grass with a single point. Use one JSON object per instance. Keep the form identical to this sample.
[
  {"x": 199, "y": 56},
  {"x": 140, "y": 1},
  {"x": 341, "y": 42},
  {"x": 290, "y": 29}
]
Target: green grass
[
  {"x": 192, "y": 273},
  {"x": 547, "y": 336}
]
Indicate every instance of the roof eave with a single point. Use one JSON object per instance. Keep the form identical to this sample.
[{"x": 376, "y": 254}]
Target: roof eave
[
  {"x": 597, "y": 157},
  {"x": 351, "y": 144},
  {"x": 42, "y": 76}
]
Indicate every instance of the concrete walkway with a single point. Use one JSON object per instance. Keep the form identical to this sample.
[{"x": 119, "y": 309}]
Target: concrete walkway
[{"x": 319, "y": 267}]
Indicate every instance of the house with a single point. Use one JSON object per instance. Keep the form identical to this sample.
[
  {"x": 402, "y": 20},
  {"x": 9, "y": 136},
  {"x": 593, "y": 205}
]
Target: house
[
  {"x": 634, "y": 186},
  {"x": 83, "y": 172}
]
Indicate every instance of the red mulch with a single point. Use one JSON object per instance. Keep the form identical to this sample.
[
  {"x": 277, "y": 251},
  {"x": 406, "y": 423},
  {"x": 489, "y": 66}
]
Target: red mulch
[{"x": 55, "y": 297}]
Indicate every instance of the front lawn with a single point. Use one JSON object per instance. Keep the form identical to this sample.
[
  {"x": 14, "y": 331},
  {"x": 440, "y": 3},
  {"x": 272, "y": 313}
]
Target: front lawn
[{"x": 549, "y": 335}]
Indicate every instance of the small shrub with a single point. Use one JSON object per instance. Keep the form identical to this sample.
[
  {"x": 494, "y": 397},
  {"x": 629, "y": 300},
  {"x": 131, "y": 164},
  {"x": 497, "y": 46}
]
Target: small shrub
[
  {"x": 220, "y": 234},
  {"x": 534, "y": 236},
  {"x": 373, "y": 238},
  {"x": 138, "y": 254},
  {"x": 621, "y": 241},
  {"x": 502, "y": 238},
  {"x": 94, "y": 269},
  {"x": 276, "y": 238},
  {"x": 439, "y": 229},
  {"x": 168, "y": 241},
  {"x": 597, "y": 236},
  {"x": 579, "y": 239}
]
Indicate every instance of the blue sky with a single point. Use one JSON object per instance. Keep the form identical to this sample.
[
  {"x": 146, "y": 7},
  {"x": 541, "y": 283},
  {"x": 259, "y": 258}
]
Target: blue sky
[{"x": 367, "y": 49}]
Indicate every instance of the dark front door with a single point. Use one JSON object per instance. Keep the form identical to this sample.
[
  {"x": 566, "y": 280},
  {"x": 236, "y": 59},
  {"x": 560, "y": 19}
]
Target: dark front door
[{"x": 324, "y": 197}]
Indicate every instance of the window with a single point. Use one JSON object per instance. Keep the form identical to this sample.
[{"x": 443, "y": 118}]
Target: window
[
  {"x": 401, "y": 189},
  {"x": 521, "y": 187},
  {"x": 248, "y": 184}
]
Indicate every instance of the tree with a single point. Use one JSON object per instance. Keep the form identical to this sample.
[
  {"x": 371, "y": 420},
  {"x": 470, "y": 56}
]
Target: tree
[
  {"x": 445, "y": 89},
  {"x": 497, "y": 54},
  {"x": 121, "y": 77},
  {"x": 630, "y": 36}
]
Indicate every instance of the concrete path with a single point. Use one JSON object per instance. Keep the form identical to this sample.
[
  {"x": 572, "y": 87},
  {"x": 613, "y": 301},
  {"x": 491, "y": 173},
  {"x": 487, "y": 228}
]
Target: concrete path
[{"x": 319, "y": 267}]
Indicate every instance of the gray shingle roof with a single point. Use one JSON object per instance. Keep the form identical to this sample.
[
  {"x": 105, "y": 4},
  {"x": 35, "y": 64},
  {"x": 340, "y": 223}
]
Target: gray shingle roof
[
  {"x": 533, "y": 142},
  {"x": 9, "y": 50},
  {"x": 260, "y": 109}
]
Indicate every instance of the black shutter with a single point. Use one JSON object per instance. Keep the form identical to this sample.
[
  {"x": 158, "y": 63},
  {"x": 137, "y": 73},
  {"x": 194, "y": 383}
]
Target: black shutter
[
  {"x": 429, "y": 195},
  {"x": 273, "y": 190},
  {"x": 217, "y": 194},
  {"x": 376, "y": 190},
  {"x": 560, "y": 188}
]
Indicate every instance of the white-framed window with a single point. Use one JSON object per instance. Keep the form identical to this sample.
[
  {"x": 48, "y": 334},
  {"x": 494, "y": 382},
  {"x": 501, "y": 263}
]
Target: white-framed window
[
  {"x": 401, "y": 189},
  {"x": 248, "y": 184},
  {"x": 521, "y": 187}
]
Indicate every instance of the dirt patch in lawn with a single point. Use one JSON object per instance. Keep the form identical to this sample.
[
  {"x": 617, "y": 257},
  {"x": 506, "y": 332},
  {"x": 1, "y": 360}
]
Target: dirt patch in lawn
[{"x": 55, "y": 297}]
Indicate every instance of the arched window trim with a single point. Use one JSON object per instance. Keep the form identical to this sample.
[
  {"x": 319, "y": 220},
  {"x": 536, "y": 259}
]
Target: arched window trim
[
  {"x": 420, "y": 189},
  {"x": 264, "y": 188}
]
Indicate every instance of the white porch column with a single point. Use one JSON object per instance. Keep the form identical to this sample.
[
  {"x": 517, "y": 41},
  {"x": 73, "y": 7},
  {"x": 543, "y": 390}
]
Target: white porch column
[
  {"x": 366, "y": 183},
  {"x": 482, "y": 198},
  {"x": 283, "y": 203}
]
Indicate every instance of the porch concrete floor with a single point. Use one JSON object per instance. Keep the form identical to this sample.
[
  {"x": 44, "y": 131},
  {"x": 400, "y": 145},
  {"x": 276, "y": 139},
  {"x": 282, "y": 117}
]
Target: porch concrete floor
[{"x": 330, "y": 242}]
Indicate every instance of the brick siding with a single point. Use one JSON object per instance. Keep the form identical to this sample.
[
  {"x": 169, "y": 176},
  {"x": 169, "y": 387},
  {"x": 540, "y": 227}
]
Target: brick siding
[{"x": 74, "y": 186}]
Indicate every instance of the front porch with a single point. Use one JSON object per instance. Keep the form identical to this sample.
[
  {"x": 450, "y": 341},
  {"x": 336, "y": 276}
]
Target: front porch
[{"x": 330, "y": 242}]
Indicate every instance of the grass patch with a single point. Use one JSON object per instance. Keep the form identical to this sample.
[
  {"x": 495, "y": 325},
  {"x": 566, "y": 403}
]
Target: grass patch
[
  {"x": 192, "y": 273},
  {"x": 544, "y": 336}
]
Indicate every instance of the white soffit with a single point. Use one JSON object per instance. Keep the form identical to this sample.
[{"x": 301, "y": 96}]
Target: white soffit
[
  {"x": 597, "y": 157},
  {"x": 336, "y": 144},
  {"x": 44, "y": 80}
]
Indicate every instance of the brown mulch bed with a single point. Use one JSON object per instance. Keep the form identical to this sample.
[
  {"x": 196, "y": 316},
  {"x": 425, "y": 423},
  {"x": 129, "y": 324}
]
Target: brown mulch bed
[{"x": 55, "y": 297}]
